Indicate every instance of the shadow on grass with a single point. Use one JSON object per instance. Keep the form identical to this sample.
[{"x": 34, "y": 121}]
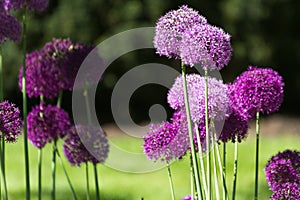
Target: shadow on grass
[{"x": 66, "y": 195}]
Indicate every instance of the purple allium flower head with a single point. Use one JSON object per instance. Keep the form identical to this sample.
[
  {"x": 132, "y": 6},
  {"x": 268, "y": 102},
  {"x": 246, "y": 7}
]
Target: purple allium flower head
[
  {"x": 10, "y": 121},
  {"x": 166, "y": 141},
  {"x": 41, "y": 76},
  {"x": 171, "y": 26},
  {"x": 53, "y": 68},
  {"x": 45, "y": 123},
  {"x": 283, "y": 168},
  {"x": 35, "y": 5},
  {"x": 257, "y": 89},
  {"x": 207, "y": 45},
  {"x": 10, "y": 28},
  {"x": 76, "y": 152},
  {"x": 286, "y": 191},
  {"x": 218, "y": 97}
]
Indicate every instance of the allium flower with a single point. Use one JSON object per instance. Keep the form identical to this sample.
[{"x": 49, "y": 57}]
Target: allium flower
[
  {"x": 171, "y": 26},
  {"x": 207, "y": 45},
  {"x": 35, "y": 5},
  {"x": 166, "y": 141},
  {"x": 10, "y": 121},
  {"x": 257, "y": 89},
  {"x": 75, "y": 150},
  {"x": 235, "y": 127},
  {"x": 45, "y": 123},
  {"x": 53, "y": 68},
  {"x": 283, "y": 168},
  {"x": 286, "y": 191},
  {"x": 218, "y": 97},
  {"x": 10, "y": 28}
]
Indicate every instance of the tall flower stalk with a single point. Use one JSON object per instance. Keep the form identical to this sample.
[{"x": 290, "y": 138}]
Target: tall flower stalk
[
  {"x": 190, "y": 131},
  {"x": 87, "y": 181},
  {"x": 171, "y": 181},
  {"x": 26, "y": 154},
  {"x": 235, "y": 167},
  {"x": 256, "y": 155}
]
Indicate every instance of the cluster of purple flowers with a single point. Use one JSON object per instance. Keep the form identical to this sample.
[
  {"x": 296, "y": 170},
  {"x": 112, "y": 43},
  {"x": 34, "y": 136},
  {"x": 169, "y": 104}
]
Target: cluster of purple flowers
[
  {"x": 187, "y": 35},
  {"x": 10, "y": 26},
  {"x": 77, "y": 153},
  {"x": 46, "y": 123},
  {"x": 283, "y": 175},
  {"x": 53, "y": 68},
  {"x": 10, "y": 122}
]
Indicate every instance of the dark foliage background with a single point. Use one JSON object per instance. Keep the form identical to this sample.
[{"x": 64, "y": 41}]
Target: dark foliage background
[{"x": 264, "y": 33}]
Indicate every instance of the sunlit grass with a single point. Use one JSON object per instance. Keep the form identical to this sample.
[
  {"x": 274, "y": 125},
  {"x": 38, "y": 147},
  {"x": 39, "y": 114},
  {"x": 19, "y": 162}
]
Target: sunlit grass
[{"x": 117, "y": 185}]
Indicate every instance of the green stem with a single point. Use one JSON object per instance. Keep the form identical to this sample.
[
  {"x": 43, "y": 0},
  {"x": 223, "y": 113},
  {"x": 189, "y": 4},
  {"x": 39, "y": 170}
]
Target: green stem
[
  {"x": 257, "y": 156},
  {"x": 40, "y": 153},
  {"x": 201, "y": 160},
  {"x": 87, "y": 106},
  {"x": 87, "y": 181},
  {"x": 235, "y": 169},
  {"x": 54, "y": 169},
  {"x": 215, "y": 173},
  {"x": 171, "y": 182},
  {"x": 26, "y": 155},
  {"x": 188, "y": 114},
  {"x": 66, "y": 174},
  {"x": 59, "y": 99},
  {"x": 224, "y": 171},
  {"x": 192, "y": 176},
  {"x": 96, "y": 183},
  {"x": 208, "y": 162},
  {"x": 3, "y": 179},
  {"x": 1, "y": 76}
]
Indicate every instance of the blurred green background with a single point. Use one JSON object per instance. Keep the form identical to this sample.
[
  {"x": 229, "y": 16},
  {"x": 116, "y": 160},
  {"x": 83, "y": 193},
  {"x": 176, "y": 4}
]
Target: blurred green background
[{"x": 264, "y": 33}]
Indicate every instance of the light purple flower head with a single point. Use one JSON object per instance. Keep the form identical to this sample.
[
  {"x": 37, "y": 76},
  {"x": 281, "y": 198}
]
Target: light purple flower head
[
  {"x": 286, "y": 191},
  {"x": 35, "y": 5},
  {"x": 166, "y": 141},
  {"x": 171, "y": 26},
  {"x": 218, "y": 97},
  {"x": 76, "y": 152},
  {"x": 10, "y": 121},
  {"x": 257, "y": 89},
  {"x": 10, "y": 28},
  {"x": 45, "y": 123},
  {"x": 283, "y": 168},
  {"x": 207, "y": 45}
]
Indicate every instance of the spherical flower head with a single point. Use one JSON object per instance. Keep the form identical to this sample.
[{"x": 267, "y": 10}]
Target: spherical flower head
[
  {"x": 207, "y": 45},
  {"x": 42, "y": 76},
  {"x": 10, "y": 121},
  {"x": 218, "y": 97},
  {"x": 34, "y": 5},
  {"x": 45, "y": 123},
  {"x": 10, "y": 28},
  {"x": 257, "y": 89},
  {"x": 71, "y": 64},
  {"x": 286, "y": 191},
  {"x": 283, "y": 168},
  {"x": 171, "y": 26},
  {"x": 76, "y": 152},
  {"x": 166, "y": 142}
]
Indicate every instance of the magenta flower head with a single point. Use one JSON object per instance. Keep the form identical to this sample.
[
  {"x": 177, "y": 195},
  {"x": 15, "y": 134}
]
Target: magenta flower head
[
  {"x": 34, "y": 5},
  {"x": 283, "y": 168},
  {"x": 45, "y": 123},
  {"x": 171, "y": 26},
  {"x": 257, "y": 89},
  {"x": 76, "y": 152},
  {"x": 165, "y": 141},
  {"x": 218, "y": 97},
  {"x": 10, "y": 28},
  {"x": 286, "y": 191},
  {"x": 207, "y": 45},
  {"x": 10, "y": 121},
  {"x": 189, "y": 197}
]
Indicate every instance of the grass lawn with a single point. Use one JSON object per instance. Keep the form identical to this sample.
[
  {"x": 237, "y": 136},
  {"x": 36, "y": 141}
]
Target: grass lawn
[{"x": 115, "y": 185}]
